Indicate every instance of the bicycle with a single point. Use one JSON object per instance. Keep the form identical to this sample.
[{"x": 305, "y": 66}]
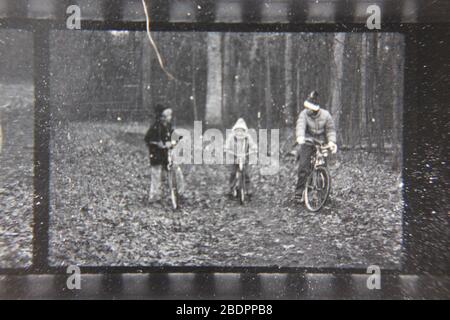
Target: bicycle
[
  {"x": 172, "y": 176},
  {"x": 239, "y": 189},
  {"x": 318, "y": 184}
]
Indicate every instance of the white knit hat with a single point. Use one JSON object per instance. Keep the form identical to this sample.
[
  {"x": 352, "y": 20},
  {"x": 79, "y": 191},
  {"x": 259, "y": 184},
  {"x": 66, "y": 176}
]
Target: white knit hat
[
  {"x": 311, "y": 106},
  {"x": 240, "y": 124}
]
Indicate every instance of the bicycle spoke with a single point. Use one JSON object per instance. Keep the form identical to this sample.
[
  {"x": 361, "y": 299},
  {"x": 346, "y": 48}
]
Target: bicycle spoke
[
  {"x": 315, "y": 200},
  {"x": 320, "y": 198}
]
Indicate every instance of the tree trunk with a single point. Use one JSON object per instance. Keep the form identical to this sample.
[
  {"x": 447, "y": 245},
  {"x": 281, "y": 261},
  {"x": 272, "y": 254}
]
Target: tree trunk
[
  {"x": 261, "y": 93},
  {"x": 253, "y": 78},
  {"x": 353, "y": 103},
  {"x": 363, "y": 99},
  {"x": 139, "y": 45},
  {"x": 147, "y": 84},
  {"x": 228, "y": 79},
  {"x": 1, "y": 133},
  {"x": 213, "y": 114},
  {"x": 370, "y": 63},
  {"x": 288, "y": 100},
  {"x": 268, "y": 89},
  {"x": 299, "y": 98},
  {"x": 194, "y": 83},
  {"x": 337, "y": 70},
  {"x": 236, "y": 102},
  {"x": 379, "y": 116},
  {"x": 397, "y": 101}
]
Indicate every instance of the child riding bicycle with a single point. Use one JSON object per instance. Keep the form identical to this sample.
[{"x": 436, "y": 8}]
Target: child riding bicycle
[
  {"x": 240, "y": 144},
  {"x": 313, "y": 123}
]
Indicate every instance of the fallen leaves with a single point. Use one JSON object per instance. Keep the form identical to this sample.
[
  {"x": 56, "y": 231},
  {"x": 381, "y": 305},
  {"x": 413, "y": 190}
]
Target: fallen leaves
[
  {"x": 99, "y": 215},
  {"x": 16, "y": 177}
]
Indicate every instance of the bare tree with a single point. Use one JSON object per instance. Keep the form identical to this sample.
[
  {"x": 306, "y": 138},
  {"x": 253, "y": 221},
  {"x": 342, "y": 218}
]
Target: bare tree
[
  {"x": 379, "y": 110},
  {"x": 1, "y": 134},
  {"x": 268, "y": 86},
  {"x": 194, "y": 83},
  {"x": 228, "y": 76},
  {"x": 364, "y": 99},
  {"x": 397, "y": 89},
  {"x": 288, "y": 100},
  {"x": 337, "y": 73},
  {"x": 214, "y": 79}
]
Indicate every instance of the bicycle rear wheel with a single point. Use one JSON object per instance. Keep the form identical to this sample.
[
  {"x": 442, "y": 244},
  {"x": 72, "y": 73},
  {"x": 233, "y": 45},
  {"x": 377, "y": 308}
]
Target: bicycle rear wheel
[{"x": 317, "y": 189}]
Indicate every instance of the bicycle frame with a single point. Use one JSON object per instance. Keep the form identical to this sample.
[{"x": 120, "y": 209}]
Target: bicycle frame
[
  {"x": 240, "y": 172},
  {"x": 173, "y": 185},
  {"x": 321, "y": 154},
  {"x": 241, "y": 163},
  {"x": 240, "y": 179},
  {"x": 241, "y": 156},
  {"x": 239, "y": 186},
  {"x": 170, "y": 154}
]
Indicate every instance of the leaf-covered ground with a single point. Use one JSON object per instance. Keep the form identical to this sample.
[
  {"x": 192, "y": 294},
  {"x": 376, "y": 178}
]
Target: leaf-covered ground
[
  {"x": 16, "y": 175},
  {"x": 99, "y": 214}
]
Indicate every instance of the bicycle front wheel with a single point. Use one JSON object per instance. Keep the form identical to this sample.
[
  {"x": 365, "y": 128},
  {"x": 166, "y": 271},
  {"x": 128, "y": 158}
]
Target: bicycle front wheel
[
  {"x": 173, "y": 189},
  {"x": 242, "y": 190},
  {"x": 317, "y": 189}
]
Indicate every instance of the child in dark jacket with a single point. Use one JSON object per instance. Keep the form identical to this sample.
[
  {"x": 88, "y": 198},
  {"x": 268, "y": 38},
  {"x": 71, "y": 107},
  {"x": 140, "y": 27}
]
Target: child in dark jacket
[{"x": 158, "y": 140}]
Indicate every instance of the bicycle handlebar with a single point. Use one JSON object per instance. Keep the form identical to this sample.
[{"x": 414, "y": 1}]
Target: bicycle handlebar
[
  {"x": 315, "y": 142},
  {"x": 246, "y": 154},
  {"x": 173, "y": 143}
]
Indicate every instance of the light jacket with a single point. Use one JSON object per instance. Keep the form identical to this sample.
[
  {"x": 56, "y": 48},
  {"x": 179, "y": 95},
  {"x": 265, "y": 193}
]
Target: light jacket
[
  {"x": 235, "y": 145},
  {"x": 320, "y": 126}
]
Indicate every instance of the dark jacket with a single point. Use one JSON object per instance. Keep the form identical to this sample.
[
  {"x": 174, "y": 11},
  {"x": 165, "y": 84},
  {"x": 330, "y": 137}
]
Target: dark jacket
[
  {"x": 158, "y": 135},
  {"x": 320, "y": 126}
]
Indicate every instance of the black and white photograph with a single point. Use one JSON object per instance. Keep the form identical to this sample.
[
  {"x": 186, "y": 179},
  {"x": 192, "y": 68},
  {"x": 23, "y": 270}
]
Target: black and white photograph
[
  {"x": 224, "y": 150},
  {"x": 325, "y": 109}
]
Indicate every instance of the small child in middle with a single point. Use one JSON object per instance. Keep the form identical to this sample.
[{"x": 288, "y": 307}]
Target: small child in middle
[{"x": 240, "y": 143}]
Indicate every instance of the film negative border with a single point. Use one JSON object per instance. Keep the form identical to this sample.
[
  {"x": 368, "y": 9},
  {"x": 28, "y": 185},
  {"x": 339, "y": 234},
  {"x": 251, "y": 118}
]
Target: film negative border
[
  {"x": 42, "y": 170},
  {"x": 229, "y": 11},
  {"x": 182, "y": 286},
  {"x": 426, "y": 82}
]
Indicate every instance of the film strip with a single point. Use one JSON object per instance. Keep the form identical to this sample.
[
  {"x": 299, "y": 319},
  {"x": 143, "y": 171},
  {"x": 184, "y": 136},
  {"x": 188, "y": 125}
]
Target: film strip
[
  {"x": 223, "y": 286},
  {"x": 228, "y": 11},
  {"x": 426, "y": 29}
]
